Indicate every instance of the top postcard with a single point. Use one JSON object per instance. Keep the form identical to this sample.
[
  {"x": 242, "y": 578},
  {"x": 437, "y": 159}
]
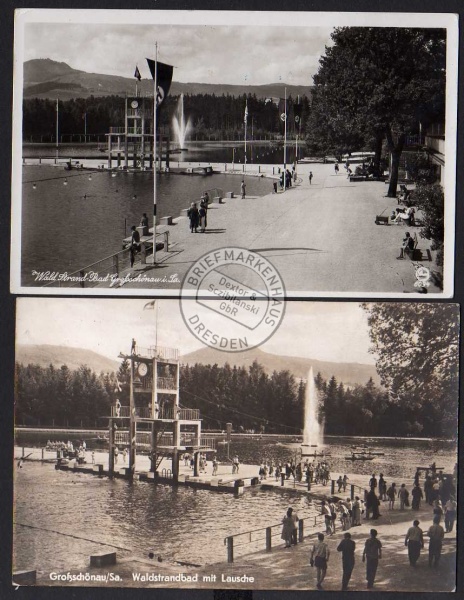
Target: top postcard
[{"x": 234, "y": 154}]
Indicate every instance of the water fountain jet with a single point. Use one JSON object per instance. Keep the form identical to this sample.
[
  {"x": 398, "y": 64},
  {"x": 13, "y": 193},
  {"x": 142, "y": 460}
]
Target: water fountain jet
[
  {"x": 312, "y": 432},
  {"x": 180, "y": 125}
]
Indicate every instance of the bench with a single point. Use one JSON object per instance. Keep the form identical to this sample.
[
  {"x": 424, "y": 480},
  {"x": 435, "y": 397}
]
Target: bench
[
  {"x": 382, "y": 220},
  {"x": 416, "y": 253}
]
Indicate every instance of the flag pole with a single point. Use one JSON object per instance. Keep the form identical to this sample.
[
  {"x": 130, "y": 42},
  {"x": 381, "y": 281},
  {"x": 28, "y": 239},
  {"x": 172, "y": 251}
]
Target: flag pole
[
  {"x": 155, "y": 99},
  {"x": 57, "y": 127},
  {"x": 285, "y": 143},
  {"x": 246, "y": 123}
]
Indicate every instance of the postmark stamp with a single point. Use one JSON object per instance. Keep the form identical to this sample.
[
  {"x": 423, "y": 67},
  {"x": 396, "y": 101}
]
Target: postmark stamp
[{"x": 232, "y": 299}]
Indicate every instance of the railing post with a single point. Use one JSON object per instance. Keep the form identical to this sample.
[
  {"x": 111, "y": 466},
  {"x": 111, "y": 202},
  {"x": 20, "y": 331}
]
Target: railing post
[
  {"x": 332, "y": 487},
  {"x": 230, "y": 549},
  {"x": 352, "y": 492},
  {"x": 268, "y": 539},
  {"x": 43, "y": 452},
  {"x": 300, "y": 530}
]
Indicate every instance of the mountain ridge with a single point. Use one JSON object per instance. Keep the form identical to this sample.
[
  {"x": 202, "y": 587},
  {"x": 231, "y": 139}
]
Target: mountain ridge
[{"x": 46, "y": 78}]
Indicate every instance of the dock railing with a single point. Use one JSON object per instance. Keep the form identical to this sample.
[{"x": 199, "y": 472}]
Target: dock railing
[{"x": 264, "y": 537}]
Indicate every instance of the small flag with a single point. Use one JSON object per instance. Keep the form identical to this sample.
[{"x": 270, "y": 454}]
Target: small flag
[
  {"x": 137, "y": 73},
  {"x": 164, "y": 78},
  {"x": 150, "y": 305},
  {"x": 246, "y": 113},
  {"x": 297, "y": 109},
  {"x": 283, "y": 109}
]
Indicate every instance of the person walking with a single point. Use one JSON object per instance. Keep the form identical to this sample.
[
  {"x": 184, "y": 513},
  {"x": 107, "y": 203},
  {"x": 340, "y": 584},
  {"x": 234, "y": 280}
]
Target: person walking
[
  {"x": 336, "y": 168},
  {"x": 436, "y": 533},
  {"x": 194, "y": 217},
  {"x": 347, "y": 547},
  {"x": 319, "y": 558},
  {"x": 243, "y": 189},
  {"x": 372, "y": 553},
  {"x": 325, "y": 511},
  {"x": 310, "y": 177},
  {"x": 414, "y": 541}
]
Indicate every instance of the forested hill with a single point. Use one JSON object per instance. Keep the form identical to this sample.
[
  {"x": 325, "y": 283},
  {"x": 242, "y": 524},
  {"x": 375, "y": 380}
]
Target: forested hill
[
  {"x": 45, "y": 78},
  {"x": 46, "y": 354},
  {"x": 350, "y": 374}
]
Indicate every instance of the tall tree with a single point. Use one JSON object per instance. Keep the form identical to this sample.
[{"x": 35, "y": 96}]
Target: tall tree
[
  {"x": 379, "y": 82},
  {"x": 417, "y": 355}
]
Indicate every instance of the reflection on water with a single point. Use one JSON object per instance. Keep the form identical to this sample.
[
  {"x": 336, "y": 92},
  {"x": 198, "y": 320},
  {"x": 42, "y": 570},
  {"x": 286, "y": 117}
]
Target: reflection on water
[
  {"x": 65, "y": 227},
  {"x": 177, "y": 524}
]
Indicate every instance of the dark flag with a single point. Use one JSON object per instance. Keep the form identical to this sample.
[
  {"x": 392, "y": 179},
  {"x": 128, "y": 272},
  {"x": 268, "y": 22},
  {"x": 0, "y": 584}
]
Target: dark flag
[
  {"x": 137, "y": 74},
  {"x": 164, "y": 78},
  {"x": 282, "y": 110},
  {"x": 297, "y": 109}
]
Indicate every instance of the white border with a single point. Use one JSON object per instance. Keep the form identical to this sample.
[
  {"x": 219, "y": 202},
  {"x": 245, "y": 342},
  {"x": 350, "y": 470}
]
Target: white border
[{"x": 236, "y": 18}]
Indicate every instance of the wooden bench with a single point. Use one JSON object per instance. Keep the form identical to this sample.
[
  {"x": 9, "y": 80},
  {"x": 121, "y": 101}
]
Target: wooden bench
[
  {"x": 382, "y": 220},
  {"x": 416, "y": 253}
]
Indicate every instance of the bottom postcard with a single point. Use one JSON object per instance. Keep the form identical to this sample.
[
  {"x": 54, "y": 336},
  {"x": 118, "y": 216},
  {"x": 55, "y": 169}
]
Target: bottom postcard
[{"x": 318, "y": 452}]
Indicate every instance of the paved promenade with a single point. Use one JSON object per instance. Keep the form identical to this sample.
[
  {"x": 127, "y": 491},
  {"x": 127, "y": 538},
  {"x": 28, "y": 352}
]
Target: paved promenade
[{"x": 321, "y": 237}]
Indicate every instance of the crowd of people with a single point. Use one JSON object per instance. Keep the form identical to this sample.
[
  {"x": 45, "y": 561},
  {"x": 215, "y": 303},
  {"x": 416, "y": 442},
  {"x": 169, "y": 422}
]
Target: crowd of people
[{"x": 438, "y": 490}]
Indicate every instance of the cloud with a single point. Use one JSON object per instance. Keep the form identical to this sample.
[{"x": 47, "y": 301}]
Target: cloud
[{"x": 200, "y": 53}]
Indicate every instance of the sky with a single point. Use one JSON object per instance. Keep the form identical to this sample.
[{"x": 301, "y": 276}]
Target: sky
[
  {"x": 249, "y": 55},
  {"x": 330, "y": 331}
]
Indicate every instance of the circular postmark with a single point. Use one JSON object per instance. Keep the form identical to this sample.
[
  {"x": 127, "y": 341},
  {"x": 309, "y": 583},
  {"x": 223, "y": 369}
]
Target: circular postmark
[
  {"x": 232, "y": 299},
  {"x": 423, "y": 277}
]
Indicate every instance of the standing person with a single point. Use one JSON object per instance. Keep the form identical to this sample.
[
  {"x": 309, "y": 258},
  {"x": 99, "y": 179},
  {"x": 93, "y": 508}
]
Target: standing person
[
  {"x": 436, "y": 534},
  {"x": 371, "y": 554},
  {"x": 450, "y": 514},
  {"x": 124, "y": 455},
  {"x": 336, "y": 168},
  {"x": 319, "y": 558},
  {"x": 194, "y": 217},
  {"x": 134, "y": 244},
  {"x": 236, "y": 464},
  {"x": 310, "y": 177},
  {"x": 202, "y": 217},
  {"x": 373, "y": 482},
  {"x": 356, "y": 512},
  {"x": 204, "y": 204},
  {"x": 340, "y": 483},
  {"x": 144, "y": 220},
  {"x": 347, "y": 547},
  {"x": 325, "y": 510},
  {"x": 414, "y": 540},
  {"x": 274, "y": 185},
  {"x": 287, "y": 528},
  {"x": 215, "y": 466},
  {"x": 382, "y": 487},
  {"x": 345, "y": 481},
  {"x": 403, "y": 496},
  {"x": 116, "y": 454},
  {"x": 391, "y": 495},
  {"x": 93, "y": 457},
  {"x": 417, "y": 496},
  {"x": 243, "y": 189}
]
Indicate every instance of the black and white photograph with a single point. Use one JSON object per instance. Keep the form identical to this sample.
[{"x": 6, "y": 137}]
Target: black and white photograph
[
  {"x": 324, "y": 458},
  {"x": 324, "y": 143}
]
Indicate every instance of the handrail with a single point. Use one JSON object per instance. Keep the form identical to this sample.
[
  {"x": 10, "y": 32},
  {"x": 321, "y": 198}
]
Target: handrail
[{"x": 229, "y": 541}]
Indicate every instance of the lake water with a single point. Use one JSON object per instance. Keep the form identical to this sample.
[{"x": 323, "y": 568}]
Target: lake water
[
  {"x": 267, "y": 153},
  {"x": 66, "y": 227},
  {"x": 176, "y": 523}
]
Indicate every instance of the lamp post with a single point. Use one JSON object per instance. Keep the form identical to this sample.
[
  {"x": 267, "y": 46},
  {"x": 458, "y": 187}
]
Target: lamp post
[{"x": 233, "y": 159}]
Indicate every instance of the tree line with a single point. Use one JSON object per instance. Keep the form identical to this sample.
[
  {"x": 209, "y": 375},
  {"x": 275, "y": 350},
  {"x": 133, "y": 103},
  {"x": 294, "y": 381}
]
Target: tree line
[
  {"x": 211, "y": 117},
  {"x": 249, "y": 398}
]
